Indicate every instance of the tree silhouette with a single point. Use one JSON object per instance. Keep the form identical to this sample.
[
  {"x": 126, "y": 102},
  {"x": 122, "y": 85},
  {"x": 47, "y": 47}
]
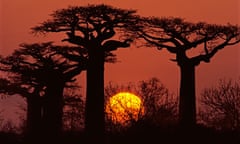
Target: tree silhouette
[
  {"x": 40, "y": 73},
  {"x": 160, "y": 104},
  {"x": 154, "y": 120},
  {"x": 93, "y": 27},
  {"x": 159, "y": 107},
  {"x": 180, "y": 37},
  {"x": 221, "y": 105},
  {"x": 15, "y": 85},
  {"x": 73, "y": 110}
]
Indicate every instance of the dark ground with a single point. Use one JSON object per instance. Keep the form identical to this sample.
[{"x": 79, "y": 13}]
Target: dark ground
[{"x": 142, "y": 135}]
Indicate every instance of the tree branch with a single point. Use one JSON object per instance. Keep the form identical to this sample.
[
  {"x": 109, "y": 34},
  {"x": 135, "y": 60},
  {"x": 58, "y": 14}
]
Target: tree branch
[
  {"x": 78, "y": 40},
  {"x": 169, "y": 48},
  {"x": 107, "y": 33},
  {"x": 206, "y": 58},
  {"x": 111, "y": 45}
]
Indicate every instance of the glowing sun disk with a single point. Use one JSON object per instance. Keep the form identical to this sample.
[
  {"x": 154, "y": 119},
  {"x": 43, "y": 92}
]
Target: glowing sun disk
[{"x": 124, "y": 106}]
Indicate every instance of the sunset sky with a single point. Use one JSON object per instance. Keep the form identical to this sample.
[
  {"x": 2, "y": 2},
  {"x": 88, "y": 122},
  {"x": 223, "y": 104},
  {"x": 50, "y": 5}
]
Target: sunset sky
[{"x": 18, "y": 16}]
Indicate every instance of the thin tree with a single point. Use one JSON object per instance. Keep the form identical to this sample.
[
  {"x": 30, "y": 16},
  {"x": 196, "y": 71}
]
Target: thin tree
[
  {"x": 158, "y": 108},
  {"x": 73, "y": 117},
  {"x": 180, "y": 38},
  {"x": 159, "y": 103},
  {"x": 92, "y": 27},
  {"x": 151, "y": 121},
  {"x": 221, "y": 105}
]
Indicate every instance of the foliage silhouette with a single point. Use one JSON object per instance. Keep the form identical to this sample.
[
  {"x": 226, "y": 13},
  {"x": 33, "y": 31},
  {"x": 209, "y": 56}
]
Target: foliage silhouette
[
  {"x": 180, "y": 37},
  {"x": 93, "y": 27}
]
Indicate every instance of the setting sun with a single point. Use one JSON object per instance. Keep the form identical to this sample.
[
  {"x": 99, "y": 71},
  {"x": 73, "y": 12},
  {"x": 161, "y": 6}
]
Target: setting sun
[{"x": 124, "y": 107}]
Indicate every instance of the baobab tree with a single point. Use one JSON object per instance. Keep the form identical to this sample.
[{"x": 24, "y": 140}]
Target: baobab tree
[
  {"x": 93, "y": 27},
  {"x": 180, "y": 37},
  {"x": 40, "y": 72}
]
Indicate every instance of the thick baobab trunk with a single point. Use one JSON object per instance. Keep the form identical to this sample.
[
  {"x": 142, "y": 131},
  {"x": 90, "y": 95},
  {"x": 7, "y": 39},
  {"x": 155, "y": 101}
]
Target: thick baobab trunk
[
  {"x": 94, "y": 118},
  {"x": 187, "y": 107},
  {"x": 53, "y": 110},
  {"x": 33, "y": 118}
]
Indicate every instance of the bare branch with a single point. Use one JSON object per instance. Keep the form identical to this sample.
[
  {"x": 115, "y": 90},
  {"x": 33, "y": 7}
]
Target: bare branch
[{"x": 169, "y": 48}]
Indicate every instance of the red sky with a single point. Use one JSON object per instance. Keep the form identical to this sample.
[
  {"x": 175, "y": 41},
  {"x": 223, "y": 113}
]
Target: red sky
[{"x": 18, "y": 16}]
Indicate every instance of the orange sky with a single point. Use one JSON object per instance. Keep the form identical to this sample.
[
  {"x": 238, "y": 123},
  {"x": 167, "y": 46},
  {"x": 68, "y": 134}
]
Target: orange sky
[{"x": 18, "y": 16}]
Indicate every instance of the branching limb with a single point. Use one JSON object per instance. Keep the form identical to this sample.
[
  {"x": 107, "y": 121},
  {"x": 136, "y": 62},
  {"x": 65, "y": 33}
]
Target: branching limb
[{"x": 111, "y": 45}]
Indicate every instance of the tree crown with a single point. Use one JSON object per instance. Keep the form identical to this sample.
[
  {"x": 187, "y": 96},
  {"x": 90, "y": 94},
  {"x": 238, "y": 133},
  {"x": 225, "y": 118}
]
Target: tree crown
[
  {"x": 178, "y": 36},
  {"x": 92, "y": 21}
]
